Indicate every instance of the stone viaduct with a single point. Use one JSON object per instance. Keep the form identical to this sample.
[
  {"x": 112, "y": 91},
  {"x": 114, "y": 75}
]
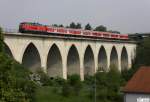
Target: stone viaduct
[{"x": 62, "y": 56}]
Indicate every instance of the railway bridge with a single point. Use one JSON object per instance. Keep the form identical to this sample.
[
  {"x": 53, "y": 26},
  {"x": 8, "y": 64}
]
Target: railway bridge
[{"x": 62, "y": 56}]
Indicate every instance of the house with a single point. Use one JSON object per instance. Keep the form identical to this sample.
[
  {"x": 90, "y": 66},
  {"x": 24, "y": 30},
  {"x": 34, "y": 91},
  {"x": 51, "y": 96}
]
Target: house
[{"x": 138, "y": 87}]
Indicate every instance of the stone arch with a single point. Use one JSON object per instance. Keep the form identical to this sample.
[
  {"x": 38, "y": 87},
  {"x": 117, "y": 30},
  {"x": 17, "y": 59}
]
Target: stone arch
[
  {"x": 102, "y": 59},
  {"x": 124, "y": 59},
  {"x": 114, "y": 58},
  {"x": 31, "y": 58},
  {"x": 73, "y": 61},
  {"x": 54, "y": 62},
  {"x": 89, "y": 63},
  {"x": 7, "y": 50}
]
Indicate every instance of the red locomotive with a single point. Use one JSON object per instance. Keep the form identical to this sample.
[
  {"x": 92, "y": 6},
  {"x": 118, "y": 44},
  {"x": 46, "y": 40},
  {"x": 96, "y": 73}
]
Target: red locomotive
[{"x": 27, "y": 27}]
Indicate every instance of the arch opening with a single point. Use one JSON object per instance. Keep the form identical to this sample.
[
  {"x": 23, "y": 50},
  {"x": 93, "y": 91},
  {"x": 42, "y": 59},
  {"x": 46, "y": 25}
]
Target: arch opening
[
  {"x": 114, "y": 58},
  {"x": 124, "y": 59},
  {"x": 54, "y": 62},
  {"x": 73, "y": 61},
  {"x": 89, "y": 64},
  {"x": 8, "y": 51},
  {"x": 31, "y": 58},
  {"x": 102, "y": 59}
]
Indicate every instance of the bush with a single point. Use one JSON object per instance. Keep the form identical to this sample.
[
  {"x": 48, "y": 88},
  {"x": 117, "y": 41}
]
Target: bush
[
  {"x": 66, "y": 89},
  {"x": 107, "y": 85},
  {"x": 75, "y": 82},
  {"x": 14, "y": 81},
  {"x": 44, "y": 79},
  {"x": 72, "y": 86},
  {"x": 59, "y": 81}
]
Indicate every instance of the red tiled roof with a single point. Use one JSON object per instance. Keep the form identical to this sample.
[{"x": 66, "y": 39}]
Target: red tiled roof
[{"x": 140, "y": 82}]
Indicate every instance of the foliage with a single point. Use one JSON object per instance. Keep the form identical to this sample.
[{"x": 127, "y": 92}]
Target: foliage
[
  {"x": 75, "y": 82},
  {"x": 113, "y": 31},
  {"x": 75, "y": 26},
  {"x": 15, "y": 85},
  {"x": 61, "y": 25},
  {"x": 78, "y": 26},
  {"x": 142, "y": 58},
  {"x": 72, "y": 86},
  {"x": 143, "y": 53},
  {"x": 1, "y": 40},
  {"x": 114, "y": 79},
  {"x": 105, "y": 86},
  {"x": 44, "y": 79},
  {"x": 100, "y": 28},
  {"x": 72, "y": 25},
  {"x": 88, "y": 27},
  {"x": 57, "y": 25},
  {"x": 46, "y": 94},
  {"x": 66, "y": 89}
]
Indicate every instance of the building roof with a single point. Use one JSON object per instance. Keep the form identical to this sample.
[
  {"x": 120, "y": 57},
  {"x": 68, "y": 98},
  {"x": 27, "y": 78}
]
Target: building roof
[{"x": 140, "y": 82}]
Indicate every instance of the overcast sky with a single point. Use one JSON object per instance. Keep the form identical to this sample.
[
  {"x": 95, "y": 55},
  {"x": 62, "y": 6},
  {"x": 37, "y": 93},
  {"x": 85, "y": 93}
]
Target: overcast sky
[{"x": 127, "y": 16}]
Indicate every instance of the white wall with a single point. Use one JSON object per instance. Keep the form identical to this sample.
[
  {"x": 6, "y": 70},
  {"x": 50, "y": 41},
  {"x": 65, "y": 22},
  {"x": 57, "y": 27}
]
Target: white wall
[{"x": 133, "y": 97}]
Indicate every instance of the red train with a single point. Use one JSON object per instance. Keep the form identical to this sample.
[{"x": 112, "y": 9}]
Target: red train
[{"x": 26, "y": 27}]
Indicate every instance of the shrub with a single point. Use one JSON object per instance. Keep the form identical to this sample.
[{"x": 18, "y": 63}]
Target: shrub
[
  {"x": 75, "y": 82},
  {"x": 44, "y": 79},
  {"x": 15, "y": 85}
]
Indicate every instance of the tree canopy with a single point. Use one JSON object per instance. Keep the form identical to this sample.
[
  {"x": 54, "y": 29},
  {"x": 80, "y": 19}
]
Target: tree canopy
[
  {"x": 1, "y": 40},
  {"x": 15, "y": 85},
  {"x": 75, "y": 26},
  {"x": 143, "y": 53},
  {"x": 78, "y": 26},
  {"x": 101, "y": 28},
  {"x": 72, "y": 25},
  {"x": 142, "y": 58},
  {"x": 88, "y": 27},
  {"x": 113, "y": 31}
]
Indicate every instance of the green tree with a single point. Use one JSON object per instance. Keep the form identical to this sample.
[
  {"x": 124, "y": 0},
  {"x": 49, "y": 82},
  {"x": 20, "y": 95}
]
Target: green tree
[
  {"x": 75, "y": 83},
  {"x": 107, "y": 86},
  {"x": 66, "y": 89},
  {"x": 100, "y": 28},
  {"x": 72, "y": 25},
  {"x": 15, "y": 84},
  {"x": 78, "y": 26},
  {"x": 61, "y": 25},
  {"x": 72, "y": 86},
  {"x": 101, "y": 86},
  {"x": 143, "y": 53},
  {"x": 55, "y": 25},
  {"x": 113, "y": 31},
  {"x": 88, "y": 27},
  {"x": 1, "y": 40},
  {"x": 142, "y": 58},
  {"x": 114, "y": 79}
]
